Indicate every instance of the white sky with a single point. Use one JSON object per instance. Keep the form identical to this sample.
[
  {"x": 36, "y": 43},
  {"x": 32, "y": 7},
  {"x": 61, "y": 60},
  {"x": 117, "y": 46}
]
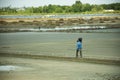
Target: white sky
[{"x": 36, "y": 3}]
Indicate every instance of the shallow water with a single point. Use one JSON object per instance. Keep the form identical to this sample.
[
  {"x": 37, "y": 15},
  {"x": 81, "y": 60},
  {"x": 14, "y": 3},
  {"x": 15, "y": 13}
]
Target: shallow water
[
  {"x": 97, "y": 45},
  {"x": 57, "y": 16},
  {"x": 8, "y": 68}
]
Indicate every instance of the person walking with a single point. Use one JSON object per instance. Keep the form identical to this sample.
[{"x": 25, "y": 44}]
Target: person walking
[{"x": 79, "y": 47}]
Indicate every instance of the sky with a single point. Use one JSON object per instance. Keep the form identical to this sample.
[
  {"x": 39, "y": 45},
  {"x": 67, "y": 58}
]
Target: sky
[{"x": 36, "y": 3}]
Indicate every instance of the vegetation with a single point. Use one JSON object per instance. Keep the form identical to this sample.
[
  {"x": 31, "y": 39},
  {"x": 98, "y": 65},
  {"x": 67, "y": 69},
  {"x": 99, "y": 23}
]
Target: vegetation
[{"x": 77, "y": 7}]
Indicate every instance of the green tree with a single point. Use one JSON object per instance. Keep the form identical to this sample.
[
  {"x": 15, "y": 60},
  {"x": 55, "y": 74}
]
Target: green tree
[
  {"x": 45, "y": 9},
  {"x": 68, "y": 9},
  {"x": 29, "y": 9},
  {"x": 58, "y": 9},
  {"x": 97, "y": 8},
  {"x": 8, "y": 10},
  {"x": 114, "y": 6},
  {"x": 51, "y": 8},
  {"x": 77, "y": 7},
  {"x": 86, "y": 7}
]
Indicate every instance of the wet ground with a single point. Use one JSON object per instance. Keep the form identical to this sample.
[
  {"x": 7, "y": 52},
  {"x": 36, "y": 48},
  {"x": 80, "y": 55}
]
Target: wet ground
[{"x": 95, "y": 45}]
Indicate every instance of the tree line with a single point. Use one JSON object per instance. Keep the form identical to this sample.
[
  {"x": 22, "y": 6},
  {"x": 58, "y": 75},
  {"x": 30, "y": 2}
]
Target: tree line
[{"x": 77, "y": 7}]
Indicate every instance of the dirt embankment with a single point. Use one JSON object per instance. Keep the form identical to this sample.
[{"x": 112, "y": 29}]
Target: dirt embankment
[
  {"x": 14, "y": 24},
  {"x": 85, "y": 60},
  {"x": 53, "y": 22}
]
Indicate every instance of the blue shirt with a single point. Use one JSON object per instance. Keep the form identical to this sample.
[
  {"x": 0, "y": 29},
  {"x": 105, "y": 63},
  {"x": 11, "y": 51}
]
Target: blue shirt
[{"x": 79, "y": 45}]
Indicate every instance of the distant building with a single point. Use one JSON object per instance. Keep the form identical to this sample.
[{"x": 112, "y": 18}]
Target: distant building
[
  {"x": 109, "y": 10},
  {"x": 22, "y": 8}
]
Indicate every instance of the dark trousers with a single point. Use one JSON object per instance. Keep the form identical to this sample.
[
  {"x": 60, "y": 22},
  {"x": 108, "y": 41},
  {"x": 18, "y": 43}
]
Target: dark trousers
[{"x": 77, "y": 51}]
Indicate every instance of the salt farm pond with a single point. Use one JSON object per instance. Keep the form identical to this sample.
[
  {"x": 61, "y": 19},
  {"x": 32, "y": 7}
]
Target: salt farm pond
[
  {"x": 43, "y": 47},
  {"x": 95, "y": 45},
  {"x": 57, "y": 16}
]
